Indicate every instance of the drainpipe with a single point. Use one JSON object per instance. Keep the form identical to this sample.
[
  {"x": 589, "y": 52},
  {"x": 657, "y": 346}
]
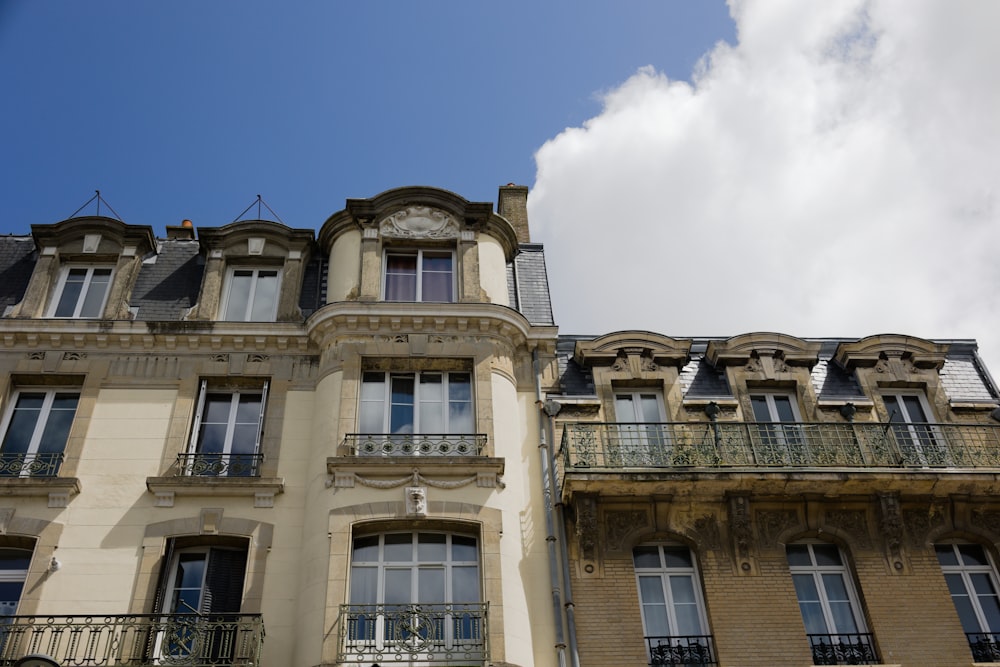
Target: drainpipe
[{"x": 544, "y": 454}]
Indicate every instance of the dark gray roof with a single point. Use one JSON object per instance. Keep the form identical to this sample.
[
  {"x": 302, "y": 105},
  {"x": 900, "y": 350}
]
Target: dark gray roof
[
  {"x": 963, "y": 376},
  {"x": 574, "y": 380},
  {"x": 17, "y": 261},
  {"x": 528, "y": 284},
  {"x": 830, "y": 380},
  {"x": 168, "y": 283},
  {"x": 699, "y": 379},
  {"x": 313, "y": 293}
]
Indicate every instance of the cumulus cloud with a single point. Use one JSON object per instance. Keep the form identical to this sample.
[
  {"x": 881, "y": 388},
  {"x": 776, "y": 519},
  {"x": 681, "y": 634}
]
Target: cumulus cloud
[{"x": 836, "y": 172}]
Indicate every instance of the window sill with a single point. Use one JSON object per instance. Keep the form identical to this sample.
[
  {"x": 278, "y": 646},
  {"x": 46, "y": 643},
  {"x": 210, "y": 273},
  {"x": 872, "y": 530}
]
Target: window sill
[
  {"x": 261, "y": 489},
  {"x": 385, "y": 472},
  {"x": 57, "y": 489}
]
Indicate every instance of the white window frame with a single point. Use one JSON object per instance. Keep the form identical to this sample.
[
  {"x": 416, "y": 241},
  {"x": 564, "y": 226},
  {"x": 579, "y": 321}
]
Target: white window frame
[
  {"x": 817, "y": 571},
  {"x": 248, "y": 307},
  {"x": 776, "y": 441},
  {"x": 82, "y": 298},
  {"x": 640, "y": 441},
  {"x": 14, "y": 576},
  {"x": 195, "y": 442},
  {"x": 418, "y": 401},
  {"x": 41, "y": 423},
  {"x": 665, "y": 573},
  {"x": 419, "y": 253},
  {"x": 966, "y": 571},
  {"x": 927, "y": 442},
  {"x": 415, "y": 565}
]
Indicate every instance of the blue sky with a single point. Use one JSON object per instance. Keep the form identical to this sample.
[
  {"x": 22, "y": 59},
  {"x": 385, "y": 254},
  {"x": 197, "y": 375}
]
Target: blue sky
[
  {"x": 696, "y": 168},
  {"x": 190, "y": 109}
]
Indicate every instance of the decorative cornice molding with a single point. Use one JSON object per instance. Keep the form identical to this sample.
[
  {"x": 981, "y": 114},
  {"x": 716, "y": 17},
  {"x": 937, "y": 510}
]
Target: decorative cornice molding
[
  {"x": 739, "y": 350},
  {"x": 868, "y": 351},
  {"x": 660, "y": 350}
]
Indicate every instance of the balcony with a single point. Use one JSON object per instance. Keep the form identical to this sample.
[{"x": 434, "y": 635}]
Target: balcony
[
  {"x": 985, "y": 646},
  {"x": 681, "y": 650},
  {"x": 843, "y": 649},
  {"x": 201, "y": 464},
  {"x": 41, "y": 464},
  {"x": 431, "y": 634},
  {"x": 414, "y": 444},
  {"x": 191, "y": 640}
]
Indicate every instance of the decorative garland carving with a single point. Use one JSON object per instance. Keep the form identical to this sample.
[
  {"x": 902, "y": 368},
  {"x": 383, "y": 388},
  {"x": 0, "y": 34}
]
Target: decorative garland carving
[
  {"x": 618, "y": 525},
  {"x": 74, "y": 356},
  {"x": 586, "y": 527},
  {"x": 852, "y": 522},
  {"x": 741, "y": 530},
  {"x": 891, "y": 525},
  {"x": 420, "y": 222},
  {"x": 347, "y": 480},
  {"x": 771, "y": 523}
]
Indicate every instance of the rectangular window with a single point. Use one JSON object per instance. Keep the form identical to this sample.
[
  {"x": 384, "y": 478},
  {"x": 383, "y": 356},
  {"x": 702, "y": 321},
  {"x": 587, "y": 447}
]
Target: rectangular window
[
  {"x": 829, "y": 605},
  {"x": 225, "y": 440},
  {"x": 423, "y": 275},
  {"x": 918, "y": 441},
  {"x": 36, "y": 428},
  {"x": 252, "y": 295},
  {"x": 81, "y": 292},
  {"x": 643, "y": 439},
  {"x": 972, "y": 582},
  {"x": 435, "y": 406},
  {"x": 778, "y": 438}
]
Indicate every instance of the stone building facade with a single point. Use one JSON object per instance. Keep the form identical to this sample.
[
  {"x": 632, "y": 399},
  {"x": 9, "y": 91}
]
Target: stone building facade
[{"x": 368, "y": 444}]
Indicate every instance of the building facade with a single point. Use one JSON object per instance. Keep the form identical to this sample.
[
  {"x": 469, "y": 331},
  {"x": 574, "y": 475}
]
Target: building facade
[{"x": 368, "y": 445}]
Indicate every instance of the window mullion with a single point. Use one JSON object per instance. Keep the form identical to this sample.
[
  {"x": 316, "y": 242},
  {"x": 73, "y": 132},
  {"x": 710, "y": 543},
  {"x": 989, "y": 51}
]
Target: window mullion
[
  {"x": 199, "y": 411},
  {"x": 43, "y": 419},
  {"x": 970, "y": 590},
  {"x": 250, "y": 295},
  {"x": 420, "y": 275},
  {"x": 234, "y": 405}
]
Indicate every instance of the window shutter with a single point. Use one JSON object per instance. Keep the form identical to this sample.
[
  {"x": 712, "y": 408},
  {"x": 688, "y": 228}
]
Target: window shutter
[
  {"x": 193, "y": 446},
  {"x": 224, "y": 581},
  {"x": 260, "y": 419}
]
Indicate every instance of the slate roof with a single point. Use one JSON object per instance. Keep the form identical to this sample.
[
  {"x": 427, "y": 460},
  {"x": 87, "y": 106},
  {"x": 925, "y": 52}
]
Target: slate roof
[
  {"x": 17, "y": 260},
  {"x": 168, "y": 282},
  {"x": 528, "y": 284}
]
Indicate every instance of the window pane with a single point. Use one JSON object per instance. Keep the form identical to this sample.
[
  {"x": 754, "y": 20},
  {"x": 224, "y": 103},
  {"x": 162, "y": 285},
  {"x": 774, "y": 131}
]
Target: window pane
[
  {"x": 430, "y": 585},
  {"x": 365, "y": 549},
  {"x": 646, "y": 556},
  {"x": 372, "y": 417},
  {"x": 946, "y": 554},
  {"x": 783, "y": 405},
  {"x": 57, "y": 425},
  {"x": 651, "y": 590},
  {"x": 914, "y": 410},
  {"x": 761, "y": 412},
  {"x": 436, "y": 287},
  {"x": 95, "y": 293},
  {"x": 397, "y": 586},
  {"x": 649, "y": 408},
  {"x": 465, "y": 584},
  {"x": 401, "y": 416},
  {"x": 364, "y": 583},
  {"x": 71, "y": 291},
  {"x": 463, "y": 549},
  {"x": 401, "y": 278},
  {"x": 827, "y": 554},
  {"x": 265, "y": 297},
  {"x": 677, "y": 556},
  {"x": 239, "y": 295},
  {"x": 972, "y": 554},
  {"x": 809, "y": 604},
  {"x": 798, "y": 555},
  {"x": 27, "y": 411},
  {"x": 431, "y": 547},
  {"x": 654, "y": 608},
  {"x": 399, "y": 547}
]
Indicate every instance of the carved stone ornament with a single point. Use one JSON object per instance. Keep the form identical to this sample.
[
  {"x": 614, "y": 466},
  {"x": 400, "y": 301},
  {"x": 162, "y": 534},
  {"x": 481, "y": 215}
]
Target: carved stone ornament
[
  {"x": 420, "y": 222},
  {"x": 891, "y": 526},
  {"x": 586, "y": 527},
  {"x": 706, "y": 530},
  {"x": 920, "y": 521},
  {"x": 771, "y": 523},
  {"x": 986, "y": 519},
  {"x": 416, "y": 501},
  {"x": 618, "y": 525},
  {"x": 742, "y": 533},
  {"x": 852, "y": 522}
]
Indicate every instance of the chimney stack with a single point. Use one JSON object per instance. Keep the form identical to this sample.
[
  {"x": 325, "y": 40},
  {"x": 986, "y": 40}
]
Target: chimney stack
[{"x": 513, "y": 205}]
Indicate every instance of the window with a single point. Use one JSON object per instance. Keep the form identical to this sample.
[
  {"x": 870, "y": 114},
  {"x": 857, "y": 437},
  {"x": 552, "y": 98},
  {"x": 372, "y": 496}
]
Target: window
[
  {"x": 81, "y": 292},
  {"x": 778, "y": 438},
  {"x": 972, "y": 582},
  {"x": 201, "y": 594},
  {"x": 252, "y": 295},
  {"x": 916, "y": 438},
  {"x": 673, "y": 613},
  {"x": 437, "y": 406},
  {"x": 13, "y": 571},
  {"x": 415, "y": 593},
  {"x": 36, "y": 428},
  {"x": 834, "y": 625},
  {"x": 643, "y": 438},
  {"x": 225, "y": 440},
  {"x": 423, "y": 275}
]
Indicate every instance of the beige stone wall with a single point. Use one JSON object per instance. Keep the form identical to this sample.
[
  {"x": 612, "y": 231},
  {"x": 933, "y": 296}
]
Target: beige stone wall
[{"x": 493, "y": 270}]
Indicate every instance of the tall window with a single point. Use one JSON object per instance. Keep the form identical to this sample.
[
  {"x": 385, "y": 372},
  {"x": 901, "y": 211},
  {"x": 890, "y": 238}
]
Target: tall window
[
  {"x": 972, "y": 581},
  {"x": 36, "y": 428},
  {"x": 422, "y": 275},
  {"x": 425, "y": 402},
  {"x": 227, "y": 429},
  {"x": 834, "y": 624},
  {"x": 673, "y": 612},
  {"x": 779, "y": 439},
  {"x": 916, "y": 438},
  {"x": 416, "y": 593},
  {"x": 13, "y": 571},
  {"x": 252, "y": 295},
  {"x": 643, "y": 438},
  {"x": 81, "y": 292}
]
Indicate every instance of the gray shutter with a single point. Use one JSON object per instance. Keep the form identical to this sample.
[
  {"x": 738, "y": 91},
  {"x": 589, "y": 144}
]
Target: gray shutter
[{"x": 224, "y": 581}]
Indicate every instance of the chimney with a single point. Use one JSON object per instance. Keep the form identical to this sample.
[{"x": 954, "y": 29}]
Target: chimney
[
  {"x": 183, "y": 232},
  {"x": 513, "y": 205}
]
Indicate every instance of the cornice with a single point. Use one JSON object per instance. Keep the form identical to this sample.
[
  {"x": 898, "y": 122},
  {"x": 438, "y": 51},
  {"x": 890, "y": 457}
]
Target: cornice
[
  {"x": 738, "y": 349},
  {"x": 868, "y": 351},
  {"x": 606, "y": 349}
]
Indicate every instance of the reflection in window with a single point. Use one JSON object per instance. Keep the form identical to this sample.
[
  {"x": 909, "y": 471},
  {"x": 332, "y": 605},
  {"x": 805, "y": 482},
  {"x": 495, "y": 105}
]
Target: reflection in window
[
  {"x": 36, "y": 428},
  {"x": 422, "y": 275},
  {"x": 422, "y": 402},
  {"x": 972, "y": 582},
  {"x": 227, "y": 431},
  {"x": 252, "y": 295},
  {"x": 82, "y": 292},
  {"x": 13, "y": 571}
]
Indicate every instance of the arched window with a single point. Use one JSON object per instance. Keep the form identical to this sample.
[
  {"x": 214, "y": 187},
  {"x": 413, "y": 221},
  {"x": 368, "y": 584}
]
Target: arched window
[
  {"x": 972, "y": 582},
  {"x": 673, "y": 612},
  {"x": 415, "y": 596},
  {"x": 829, "y": 604}
]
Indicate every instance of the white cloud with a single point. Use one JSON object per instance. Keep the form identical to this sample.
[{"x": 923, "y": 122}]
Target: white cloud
[{"x": 835, "y": 173}]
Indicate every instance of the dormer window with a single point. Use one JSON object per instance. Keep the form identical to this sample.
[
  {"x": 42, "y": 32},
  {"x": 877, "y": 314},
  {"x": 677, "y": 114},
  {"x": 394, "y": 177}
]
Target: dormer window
[
  {"x": 81, "y": 292},
  {"x": 251, "y": 295},
  {"x": 420, "y": 275}
]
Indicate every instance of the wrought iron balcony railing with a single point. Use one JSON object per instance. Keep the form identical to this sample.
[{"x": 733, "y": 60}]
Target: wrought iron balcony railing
[
  {"x": 804, "y": 445},
  {"x": 681, "y": 650},
  {"x": 985, "y": 646},
  {"x": 431, "y": 634},
  {"x": 843, "y": 649},
  {"x": 41, "y": 464},
  {"x": 201, "y": 464},
  {"x": 416, "y": 444},
  {"x": 188, "y": 640}
]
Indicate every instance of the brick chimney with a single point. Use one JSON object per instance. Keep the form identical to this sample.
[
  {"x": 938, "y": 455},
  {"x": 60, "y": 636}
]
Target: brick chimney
[{"x": 513, "y": 205}]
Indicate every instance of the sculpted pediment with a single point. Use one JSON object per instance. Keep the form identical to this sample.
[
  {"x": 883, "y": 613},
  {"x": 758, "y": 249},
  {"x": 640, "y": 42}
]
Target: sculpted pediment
[
  {"x": 420, "y": 222},
  {"x": 921, "y": 352},
  {"x": 740, "y": 349}
]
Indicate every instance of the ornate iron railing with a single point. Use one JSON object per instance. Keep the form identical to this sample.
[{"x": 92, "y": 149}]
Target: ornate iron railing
[
  {"x": 416, "y": 444},
  {"x": 201, "y": 464},
  {"x": 843, "y": 649},
  {"x": 42, "y": 464},
  {"x": 805, "y": 445},
  {"x": 188, "y": 640},
  {"x": 681, "y": 650},
  {"x": 433, "y": 634},
  {"x": 985, "y": 646}
]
